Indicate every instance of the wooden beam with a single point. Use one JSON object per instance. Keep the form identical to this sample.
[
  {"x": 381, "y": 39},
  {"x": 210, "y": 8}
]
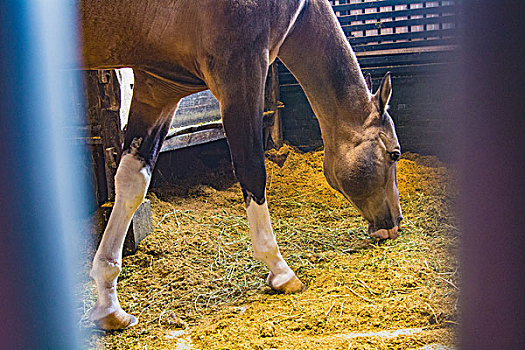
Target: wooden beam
[
  {"x": 193, "y": 139},
  {"x": 112, "y": 138},
  {"x": 273, "y": 130}
]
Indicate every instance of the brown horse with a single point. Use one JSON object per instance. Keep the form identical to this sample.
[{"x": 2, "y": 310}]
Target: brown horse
[{"x": 179, "y": 47}]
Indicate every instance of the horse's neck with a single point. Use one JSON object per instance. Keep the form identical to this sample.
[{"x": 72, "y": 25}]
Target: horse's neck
[{"x": 319, "y": 56}]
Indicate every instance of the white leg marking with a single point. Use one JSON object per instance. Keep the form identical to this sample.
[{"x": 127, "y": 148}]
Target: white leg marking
[
  {"x": 264, "y": 244},
  {"x": 131, "y": 183}
]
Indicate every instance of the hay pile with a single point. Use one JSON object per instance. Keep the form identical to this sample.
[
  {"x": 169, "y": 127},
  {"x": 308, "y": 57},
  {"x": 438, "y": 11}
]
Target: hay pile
[{"x": 194, "y": 280}]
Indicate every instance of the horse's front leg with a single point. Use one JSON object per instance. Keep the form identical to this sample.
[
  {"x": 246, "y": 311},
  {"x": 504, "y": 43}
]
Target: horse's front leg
[
  {"x": 281, "y": 277},
  {"x": 148, "y": 124},
  {"x": 241, "y": 95},
  {"x": 131, "y": 182}
]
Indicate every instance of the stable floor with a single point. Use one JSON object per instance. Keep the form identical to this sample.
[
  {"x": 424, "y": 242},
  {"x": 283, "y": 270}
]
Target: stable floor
[{"x": 194, "y": 285}]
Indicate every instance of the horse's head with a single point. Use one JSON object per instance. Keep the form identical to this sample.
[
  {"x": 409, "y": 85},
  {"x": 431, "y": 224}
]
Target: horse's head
[{"x": 363, "y": 165}]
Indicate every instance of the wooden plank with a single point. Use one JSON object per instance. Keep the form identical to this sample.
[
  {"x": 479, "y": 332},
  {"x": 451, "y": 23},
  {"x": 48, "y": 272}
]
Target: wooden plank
[
  {"x": 377, "y": 4},
  {"x": 407, "y": 58},
  {"x": 375, "y": 48},
  {"x": 400, "y": 59},
  {"x": 406, "y": 50},
  {"x": 355, "y": 41},
  {"x": 140, "y": 228},
  {"x": 399, "y": 23},
  {"x": 193, "y": 128},
  {"x": 397, "y": 71},
  {"x": 192, "y": 139},
  {"x": 438, "y": 10},
  {"x": 398, "y": 63},
  {"x": 403, "y": 71}
]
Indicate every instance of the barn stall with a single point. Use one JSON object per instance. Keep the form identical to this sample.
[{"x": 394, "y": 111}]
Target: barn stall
[{"x": 193, "y": 282}]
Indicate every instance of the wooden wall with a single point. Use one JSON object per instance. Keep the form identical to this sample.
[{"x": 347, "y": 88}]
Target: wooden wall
[
  {"x": 416, "y": 42},
  {"x": 417, "y": 108}
]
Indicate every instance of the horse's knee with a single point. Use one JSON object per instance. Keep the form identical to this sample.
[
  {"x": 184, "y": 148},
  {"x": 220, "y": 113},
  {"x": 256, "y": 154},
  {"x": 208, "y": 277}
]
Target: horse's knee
[
  {"x": 131, "y": 181},
  {"x": 252, "y": 177}
]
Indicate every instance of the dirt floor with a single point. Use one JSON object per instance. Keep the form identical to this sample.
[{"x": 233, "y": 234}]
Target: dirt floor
[{"x": 194, "y": 285}]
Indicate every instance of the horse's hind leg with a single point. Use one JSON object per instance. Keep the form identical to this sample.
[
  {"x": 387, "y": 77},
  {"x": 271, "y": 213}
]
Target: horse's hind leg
[
  {"x": 240, "y": 90},
  {"x": 150, "y": 117}
]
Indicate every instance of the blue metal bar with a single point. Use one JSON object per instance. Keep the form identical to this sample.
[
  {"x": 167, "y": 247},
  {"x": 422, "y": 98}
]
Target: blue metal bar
[{"x": 38, "y": 196}]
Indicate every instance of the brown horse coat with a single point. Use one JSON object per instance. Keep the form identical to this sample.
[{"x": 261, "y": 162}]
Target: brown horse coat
[{"x": 179, "y": 47}]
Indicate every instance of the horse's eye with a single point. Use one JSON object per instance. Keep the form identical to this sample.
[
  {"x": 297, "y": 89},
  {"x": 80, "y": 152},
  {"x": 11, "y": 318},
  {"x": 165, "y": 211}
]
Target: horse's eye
[{"x": 395, "y": 155}]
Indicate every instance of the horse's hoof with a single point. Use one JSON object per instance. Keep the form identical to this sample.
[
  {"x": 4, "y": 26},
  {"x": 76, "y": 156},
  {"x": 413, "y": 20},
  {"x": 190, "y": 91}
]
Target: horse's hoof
[
  {"x": 293, "y": 285},
  {"x": 116, "y": 320}
]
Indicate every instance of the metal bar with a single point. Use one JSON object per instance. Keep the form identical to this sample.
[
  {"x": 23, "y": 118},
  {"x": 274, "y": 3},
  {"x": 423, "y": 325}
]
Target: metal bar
[{"x": 39, "y": 191}]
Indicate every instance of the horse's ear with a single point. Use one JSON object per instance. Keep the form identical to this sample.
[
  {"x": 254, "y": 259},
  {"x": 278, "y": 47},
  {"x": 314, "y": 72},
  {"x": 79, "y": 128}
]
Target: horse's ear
[
  {"x": 368, "y": 79},
  {"x": 383, "y": 94}
]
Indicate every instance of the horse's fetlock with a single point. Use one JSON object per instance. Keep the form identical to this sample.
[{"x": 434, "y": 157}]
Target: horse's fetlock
[
  {"x": 106, "y": 270},
  {"x": 264, "y": 251}
]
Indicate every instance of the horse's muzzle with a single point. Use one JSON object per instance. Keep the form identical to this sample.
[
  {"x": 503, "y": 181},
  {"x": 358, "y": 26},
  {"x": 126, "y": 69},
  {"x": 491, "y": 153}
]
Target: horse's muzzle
[{"x": 384, "y": 233}]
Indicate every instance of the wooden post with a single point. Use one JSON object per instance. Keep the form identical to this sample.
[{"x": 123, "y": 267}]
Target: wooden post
[
  {"x": 107, "y": 116},
  {"x": 273, "y": 132}
]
